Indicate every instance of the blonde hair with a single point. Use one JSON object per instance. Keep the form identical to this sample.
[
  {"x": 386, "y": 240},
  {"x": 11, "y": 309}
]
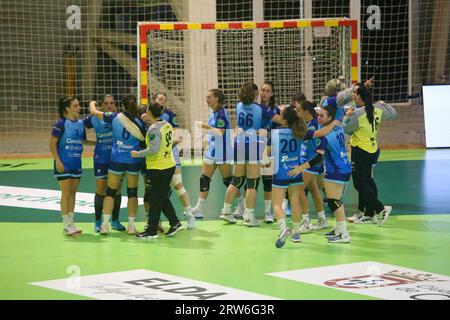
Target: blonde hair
[{"x": 334, "y": 86}]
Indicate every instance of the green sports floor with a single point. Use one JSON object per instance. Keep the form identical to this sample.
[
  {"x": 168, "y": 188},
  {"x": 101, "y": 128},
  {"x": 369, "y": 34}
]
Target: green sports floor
[{"x": 234, "y": 257}]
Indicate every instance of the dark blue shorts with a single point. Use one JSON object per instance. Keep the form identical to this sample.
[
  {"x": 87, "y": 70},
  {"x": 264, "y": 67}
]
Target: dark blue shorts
[
  {"x": 286, "y": 183},
  {"x": 340, "y": 178},
  {"x": 67, "y": 174},
  {"x": 144, "y": 168},
  {"x": 248, "y": 153},
  {"x": 121, "y": 168},
  {"x": 101, "y": 170}
]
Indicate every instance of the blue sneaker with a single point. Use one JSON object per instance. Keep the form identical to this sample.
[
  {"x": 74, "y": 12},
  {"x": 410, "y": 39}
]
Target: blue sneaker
[
  {"x": 282, "y": 237},
  {"x": 97, "y": 226},
  {"x": 295, "y": 237},
  {"x": 116, "y": 225}
]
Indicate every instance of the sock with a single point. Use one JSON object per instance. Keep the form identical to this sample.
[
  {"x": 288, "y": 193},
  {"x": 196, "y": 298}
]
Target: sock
[
  {"x": 131, "y": 220},
  {"x": 250, "y": 213},
  {"x": 282, "y": 224},
  {"x": 322, "y": 215},
  {"x": 200, "y": 203},
  {"x": 106, "y": 218},
  {"x": 116, "y": 209},
  {"x": 341, "y": 227},
  {"x": 305, "y": 217},
  {"x": 188, "y": 210},
  {"x": 241, "y": 203},
  {"x": 66, "y": 220},
  {"x": 296, "y": 227},
  {"x": 71, "y": 217},
  {"x": 98, "y": 205},
  {"x": 267, "y": 205},
  {"x": 226, "y": 208}
]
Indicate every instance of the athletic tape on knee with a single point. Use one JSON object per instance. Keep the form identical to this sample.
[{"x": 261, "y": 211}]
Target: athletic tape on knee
[
  {"x": 132, "y": 193},
  {"x": 334, "y": 204},
  {"x": 111, "y": 192},
  {"x": 238, "y": 182},
  {"x": 267, "y": 183},
  {"x": 176, "y": 179},
  {"x": 253, "y": 183},
  {"x": 204, "y": 183}
]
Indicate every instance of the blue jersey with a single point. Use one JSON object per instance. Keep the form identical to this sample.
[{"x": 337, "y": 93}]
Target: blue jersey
[
  {"x": 169, "y": 116},
  {"x": 268, "y": 124},
  {"x": 104, "y": 135},
  {"x": 286, "y": 152},
  {"x": 336, "y": 160},
  {"x": 70, "y": 136},
  {"x": 250, "y": 118},
  {"x": 219, "y": 146},
  {"x": 308, "y": 149},
  {"x": 124, "y": 142}
]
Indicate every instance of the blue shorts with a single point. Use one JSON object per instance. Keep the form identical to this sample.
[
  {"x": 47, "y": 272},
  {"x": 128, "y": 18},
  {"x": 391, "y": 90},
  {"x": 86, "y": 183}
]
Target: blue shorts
[
  {"x": 101, "y": 170},
  {"x": 339, "y": 178},
  {"x": 121, "y": 168},
  {"x": 248, "y": 153},
  {"x": 286, "y": 183},
  {"x": 67, "y": 174},
  {"x": 144, "y": 168},
  {"x": 316, "y": 170}
]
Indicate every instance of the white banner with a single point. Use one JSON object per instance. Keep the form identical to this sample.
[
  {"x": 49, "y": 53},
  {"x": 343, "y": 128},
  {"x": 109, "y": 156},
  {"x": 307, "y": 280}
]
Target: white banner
[
  {"x": 375, "y": 279},
  {"x": 146, "y": 285},
  {"x": 47, "y": 199}
]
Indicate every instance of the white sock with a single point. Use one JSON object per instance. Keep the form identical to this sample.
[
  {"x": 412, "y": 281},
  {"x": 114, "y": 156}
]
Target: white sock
[
  {"x": 296, "y": 226},
  {"x": 241, "y": 203},
  {"x": 267, "y": 206},
  {"x": 71, "y": 217},
  {"x": 322, "y": 215},
  {"x": 131, "y": 220},
  {"x": 188, "y": 210},
  {"x": 305, "y": 217},
  {"x": 285, "y": 204},
  {"x": 200, "y": 203},
  {"x": 226, "y": 208},
  {"x": 66, "y": 220},
  {"x": 106, "y": 218},
  {"x": 341, "y": 227},
  {"x": 282, "y": 224},
  {"x": 250, "y": 213}
]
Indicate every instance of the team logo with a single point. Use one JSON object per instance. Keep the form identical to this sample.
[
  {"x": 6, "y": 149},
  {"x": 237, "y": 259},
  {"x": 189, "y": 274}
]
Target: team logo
[
  {"x": 107, "y": 113},
  {"x": 174, "y": 120},
  {"x": 221, "y": 123},
  {"x": 152, "y": 136}
]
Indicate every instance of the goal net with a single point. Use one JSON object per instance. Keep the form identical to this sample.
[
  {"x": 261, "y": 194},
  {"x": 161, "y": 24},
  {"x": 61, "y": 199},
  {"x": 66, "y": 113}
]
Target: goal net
[{"x": 185, "y": 60}]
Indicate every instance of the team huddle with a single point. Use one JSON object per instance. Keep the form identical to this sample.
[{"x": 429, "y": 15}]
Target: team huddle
[{"x": 296, "y": 150}]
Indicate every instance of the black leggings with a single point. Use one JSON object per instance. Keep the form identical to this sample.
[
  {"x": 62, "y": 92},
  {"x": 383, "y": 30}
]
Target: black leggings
[
  {"x": 363, "y": 182},
  {"x": 158, "y": 188}
]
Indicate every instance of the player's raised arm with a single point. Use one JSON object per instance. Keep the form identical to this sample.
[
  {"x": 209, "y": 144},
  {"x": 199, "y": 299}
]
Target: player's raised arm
[{"x": 94, "y": 111}]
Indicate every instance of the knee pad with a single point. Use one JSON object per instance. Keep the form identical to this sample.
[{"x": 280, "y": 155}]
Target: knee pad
[
  {"x": 267, "y": 183},
  {"x": 147, "y": 195},
  {"x": 204, "y": 183},
  {"x": 180, "y": 192},
  {"x": 238, "y": 182},
  {"x": 111, "y": 192},
  {"x": 253, "y": 183},
  {"x": 176, "y": 179},
  {"x": 226, "y": 181},
  {"x": 132, "y": 193},
  {"x": 334, "y": 204}
]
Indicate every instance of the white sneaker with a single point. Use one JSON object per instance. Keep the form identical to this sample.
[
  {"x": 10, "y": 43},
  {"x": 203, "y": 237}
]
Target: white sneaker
[
  {"x": 284, "y": 234},
  {"x": 190, "y": 218},
  {"x": 196, "y": 212},
  {"x": 71, "y": 230},
  {"x": 306, "y": 227},
  {"x": 366, "y": 220},
  {"x": 251, "y": 222},
  {"x": 239, "y": 212},
  {"x": 321, "y": 224},
  {"x": 228, "y": 218},
  {"x": 340, "y": 238},
  {"x": 104, "y": 230},
  {"x": 356, "y": 216},
  {"x": 131, "y": 229},
  {"x": 268, "y": 218},
  {"x": 383, "y": 215}
]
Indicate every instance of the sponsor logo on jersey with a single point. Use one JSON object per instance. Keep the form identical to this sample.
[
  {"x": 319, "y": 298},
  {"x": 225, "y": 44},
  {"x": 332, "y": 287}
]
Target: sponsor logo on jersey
[
  {"x": 221, "y": 123},
  {"x": 152, "y": 136}
]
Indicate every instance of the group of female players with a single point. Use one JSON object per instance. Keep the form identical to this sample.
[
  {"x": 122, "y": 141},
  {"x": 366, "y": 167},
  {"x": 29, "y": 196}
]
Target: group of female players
[{"x": 294, "y": 148}]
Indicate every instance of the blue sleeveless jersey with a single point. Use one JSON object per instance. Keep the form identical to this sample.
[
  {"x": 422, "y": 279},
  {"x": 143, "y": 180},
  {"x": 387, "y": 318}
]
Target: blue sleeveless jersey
[
  {"x": 219, "y": 146},
  {"x": 105, "y": 139},
  {"x": 308, "y": 150},
  {"x": 169, "y": 116},
  {"x": 336, "y": 160},
  {"x": 124, "y": 142},
  {"x": 286, "y": 152},
  {"x": 70, "y": 136}
]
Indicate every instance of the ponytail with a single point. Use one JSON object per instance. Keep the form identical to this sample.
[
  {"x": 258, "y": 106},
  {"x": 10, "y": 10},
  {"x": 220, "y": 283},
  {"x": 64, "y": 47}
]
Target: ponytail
[
  {"x": 308, "y": 106},
  {"x": 297, "y": 124},
  {"x": 131, "y": 107},
  {"x": 366, "y": 96},
  {"x": 63, "y": 104}
]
